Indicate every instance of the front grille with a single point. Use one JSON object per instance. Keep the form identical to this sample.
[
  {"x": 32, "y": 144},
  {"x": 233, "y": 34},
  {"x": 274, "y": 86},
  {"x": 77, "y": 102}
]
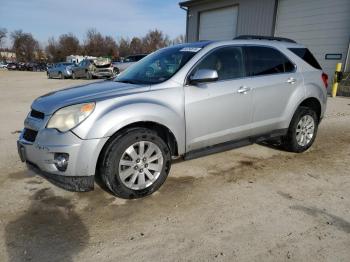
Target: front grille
[
  {"x": 37, "y": 114},
  {"x": 30, "y": 134},
  {"x": 103, "y": 71}
]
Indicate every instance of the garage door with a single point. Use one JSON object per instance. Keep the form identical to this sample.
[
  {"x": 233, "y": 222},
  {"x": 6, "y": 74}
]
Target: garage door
[
  {"x": 218, "y": 24},
  {"x": 322, "y": 25}
]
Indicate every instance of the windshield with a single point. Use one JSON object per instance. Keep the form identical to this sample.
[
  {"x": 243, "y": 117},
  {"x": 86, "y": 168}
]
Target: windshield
[{"x": 157, "y": 67}]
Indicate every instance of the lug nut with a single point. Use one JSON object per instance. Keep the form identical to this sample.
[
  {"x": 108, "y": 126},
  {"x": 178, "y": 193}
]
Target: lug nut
[
  {"x": 146, "y": 165},
  {"x": 135, "y": 167},
  {"x": 141, "y": 170}
]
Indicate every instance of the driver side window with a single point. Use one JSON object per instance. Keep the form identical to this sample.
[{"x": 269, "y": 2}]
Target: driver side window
[{"x": 227, "y": 61}]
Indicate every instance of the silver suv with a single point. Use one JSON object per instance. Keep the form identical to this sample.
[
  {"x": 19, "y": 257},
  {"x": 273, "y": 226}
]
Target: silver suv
[{"x": 185, "y": 101}]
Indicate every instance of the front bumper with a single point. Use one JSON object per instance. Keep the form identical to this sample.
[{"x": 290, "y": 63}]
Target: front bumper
[
  {"x": 103, "y": 73},
  {"x": 83, "y": 156}
]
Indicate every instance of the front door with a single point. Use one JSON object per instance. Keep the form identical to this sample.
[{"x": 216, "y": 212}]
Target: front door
[{"x": 219, "y": 111}]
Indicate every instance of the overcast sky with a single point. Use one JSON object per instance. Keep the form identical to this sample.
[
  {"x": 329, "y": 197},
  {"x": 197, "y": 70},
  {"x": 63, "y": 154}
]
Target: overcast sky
[{"x": 127, "y": 18}]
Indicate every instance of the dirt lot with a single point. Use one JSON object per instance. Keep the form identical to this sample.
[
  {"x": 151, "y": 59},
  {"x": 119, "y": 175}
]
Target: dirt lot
[{"x": 250, "y": 204}]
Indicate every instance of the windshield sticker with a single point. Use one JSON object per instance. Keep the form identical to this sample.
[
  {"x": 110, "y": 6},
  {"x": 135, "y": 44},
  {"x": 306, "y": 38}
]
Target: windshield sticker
[{"x": 190, "y": 49}]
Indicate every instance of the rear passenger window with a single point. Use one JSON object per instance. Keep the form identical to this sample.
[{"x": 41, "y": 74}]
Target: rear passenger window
[
  {"x": 307, "y": 56},
  {"x": 227, "y": 61},
  {"x": 267, "y": 61}
]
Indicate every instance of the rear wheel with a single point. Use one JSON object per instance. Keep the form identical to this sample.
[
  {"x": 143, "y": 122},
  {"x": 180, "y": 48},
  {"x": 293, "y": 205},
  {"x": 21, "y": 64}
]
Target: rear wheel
[
  {"x": 135, "y": 163},
  {"x": 302, "y": 130}
]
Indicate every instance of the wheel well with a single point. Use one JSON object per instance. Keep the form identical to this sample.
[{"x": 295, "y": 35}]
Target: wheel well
[
  {"x": 314, "y": 104},
  {"x": 162, "y": 131}
]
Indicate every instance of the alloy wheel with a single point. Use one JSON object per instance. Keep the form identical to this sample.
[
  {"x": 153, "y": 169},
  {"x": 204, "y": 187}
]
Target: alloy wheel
[
  {"x": 305, "y": 130},
  {"x": 140, "y": 165}
]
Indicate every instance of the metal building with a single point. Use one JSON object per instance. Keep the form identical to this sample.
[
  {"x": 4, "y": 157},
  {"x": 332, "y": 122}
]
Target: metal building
[{"x": 322, "y": 25}]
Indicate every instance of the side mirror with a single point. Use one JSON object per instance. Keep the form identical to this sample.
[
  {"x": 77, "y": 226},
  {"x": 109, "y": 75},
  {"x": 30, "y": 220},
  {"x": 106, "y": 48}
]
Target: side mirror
[{"x": 204, "y": 75}]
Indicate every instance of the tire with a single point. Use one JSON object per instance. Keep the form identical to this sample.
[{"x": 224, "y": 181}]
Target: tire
[
  {"x": 299, "y": 129},
  {"x": 74, "y": 77},
  {"x": 88, "y": 75},
  {"x": 139, "y": 180},
  {"x": 60, "y": 75},
  {"x": 48, "y": 76}
]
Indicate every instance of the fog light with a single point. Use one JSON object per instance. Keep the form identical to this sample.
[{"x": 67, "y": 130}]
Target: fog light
[{"x": 61, "y": 161}]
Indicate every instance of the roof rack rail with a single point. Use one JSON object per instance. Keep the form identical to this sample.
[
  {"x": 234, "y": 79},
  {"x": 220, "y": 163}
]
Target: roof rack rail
[{"x": 260, "y": 37}]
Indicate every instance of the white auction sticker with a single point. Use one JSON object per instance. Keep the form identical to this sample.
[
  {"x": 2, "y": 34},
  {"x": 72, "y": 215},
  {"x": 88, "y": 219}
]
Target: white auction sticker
[{"x": 190, "y": 49}]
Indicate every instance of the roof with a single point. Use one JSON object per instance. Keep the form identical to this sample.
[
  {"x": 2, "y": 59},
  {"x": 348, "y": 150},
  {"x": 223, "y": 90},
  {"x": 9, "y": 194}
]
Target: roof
[{"x": 188, "y": 3}]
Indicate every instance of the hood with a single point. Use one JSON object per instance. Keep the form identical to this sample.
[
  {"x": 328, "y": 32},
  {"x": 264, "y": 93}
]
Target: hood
[
  {"x": 102, "y": 62},
  {"x": 51, "y": 102}
]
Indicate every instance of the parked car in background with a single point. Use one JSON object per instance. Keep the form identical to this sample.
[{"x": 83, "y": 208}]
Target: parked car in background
[
  {"x": 128, "y": 61},
  {"x": 41, "y": 67},
  {"x": 187, "y": 101},
  {"x": 60, "y": 70},
  {"x": 3, "y": 65},
  {"x": 12, "y": 66},
  {"x": 94, "y": 68}
]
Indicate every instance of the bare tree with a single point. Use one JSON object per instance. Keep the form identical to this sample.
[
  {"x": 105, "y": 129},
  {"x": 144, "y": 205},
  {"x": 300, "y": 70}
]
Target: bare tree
[
  {"x": 3, "y": 34},
  {"x": 154, "y": 40},
  {"x": 124, "y": 47},
  {"x": 179, "y": 40},
  {"x": 52, "y": 50},
  {"x": 69, "y": 44},
  {"x": 93, "y": 43},
  {"x": 24, "y": 45},
  {"x": 136, "y": 46},
  {"x": 110, "y": 47}
]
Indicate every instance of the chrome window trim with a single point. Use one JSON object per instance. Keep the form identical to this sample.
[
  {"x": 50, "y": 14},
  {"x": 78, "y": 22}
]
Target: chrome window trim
[{"x": 186, "y": 80}]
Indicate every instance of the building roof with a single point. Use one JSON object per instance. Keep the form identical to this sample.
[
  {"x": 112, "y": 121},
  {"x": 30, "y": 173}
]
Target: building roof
[{"x": 191, "y": 2}]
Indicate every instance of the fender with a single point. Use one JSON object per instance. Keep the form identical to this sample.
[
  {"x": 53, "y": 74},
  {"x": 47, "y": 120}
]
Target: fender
[
  {"x": 110, "y": 117},
  {"x": 311, "y": 91}
]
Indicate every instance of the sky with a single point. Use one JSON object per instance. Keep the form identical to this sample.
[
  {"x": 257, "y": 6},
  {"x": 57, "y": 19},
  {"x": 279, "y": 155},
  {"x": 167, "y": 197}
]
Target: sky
[{"x": 117, "y": 18}]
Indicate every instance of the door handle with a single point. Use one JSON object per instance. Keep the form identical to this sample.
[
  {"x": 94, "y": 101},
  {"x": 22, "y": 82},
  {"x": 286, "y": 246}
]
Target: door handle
[
  {"x": 291, "y": 80},
  {"x": 243, "y": 90}
]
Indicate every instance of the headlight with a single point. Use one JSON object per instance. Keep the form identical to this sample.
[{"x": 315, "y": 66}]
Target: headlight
[{"x": 69, "y": 117}]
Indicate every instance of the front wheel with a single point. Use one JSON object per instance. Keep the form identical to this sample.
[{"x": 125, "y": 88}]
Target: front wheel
[
  {"x": 135, "y": 163},
  {"x": 302, "y": 130},
  {"x": 88, "y": 75}
]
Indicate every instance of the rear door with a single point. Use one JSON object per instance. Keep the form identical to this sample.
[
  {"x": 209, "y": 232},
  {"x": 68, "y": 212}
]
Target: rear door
[
  {"x": 274, "y": 79},
  {"x": 219, "y": 111}
]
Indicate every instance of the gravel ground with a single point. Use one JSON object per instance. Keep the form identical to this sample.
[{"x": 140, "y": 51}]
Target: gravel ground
[{"x": 250, "y": 204}]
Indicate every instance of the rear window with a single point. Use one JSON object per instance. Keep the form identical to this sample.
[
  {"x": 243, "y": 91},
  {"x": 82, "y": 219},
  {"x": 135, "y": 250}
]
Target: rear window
[{"x": 306, "y": 55}]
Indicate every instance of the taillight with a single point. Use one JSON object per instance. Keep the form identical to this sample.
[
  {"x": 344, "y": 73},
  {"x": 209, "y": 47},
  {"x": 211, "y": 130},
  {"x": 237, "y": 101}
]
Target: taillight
[{"x": 325, "y": 79}]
